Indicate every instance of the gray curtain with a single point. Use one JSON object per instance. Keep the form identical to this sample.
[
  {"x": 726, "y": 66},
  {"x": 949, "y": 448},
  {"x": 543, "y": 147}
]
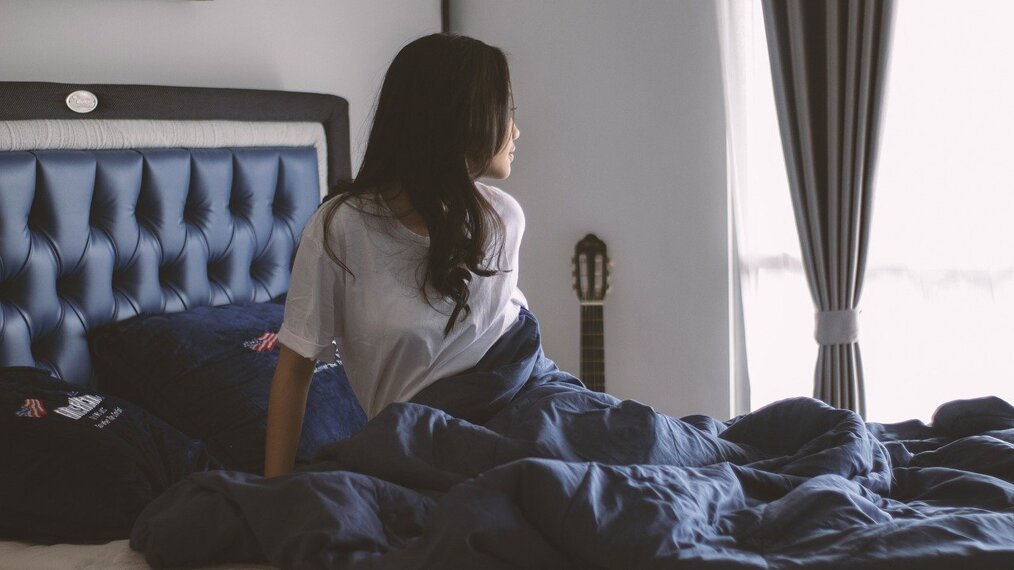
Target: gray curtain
[{"x": 828, "y": 64}]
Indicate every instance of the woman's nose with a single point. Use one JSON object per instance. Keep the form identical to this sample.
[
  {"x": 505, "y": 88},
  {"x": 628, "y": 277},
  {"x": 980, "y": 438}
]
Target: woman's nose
[{"x": 517, "y": 132}]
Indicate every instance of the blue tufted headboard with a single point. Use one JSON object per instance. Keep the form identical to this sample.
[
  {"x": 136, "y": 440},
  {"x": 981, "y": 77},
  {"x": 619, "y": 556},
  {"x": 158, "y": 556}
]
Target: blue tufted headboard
[{"x": 97, "y": 227}]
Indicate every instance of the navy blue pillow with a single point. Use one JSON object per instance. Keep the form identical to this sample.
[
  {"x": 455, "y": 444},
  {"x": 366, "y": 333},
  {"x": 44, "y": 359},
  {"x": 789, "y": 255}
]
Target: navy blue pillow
[
  {"x": 77, "y": 465},
  {"x": 207, "y": 371}
]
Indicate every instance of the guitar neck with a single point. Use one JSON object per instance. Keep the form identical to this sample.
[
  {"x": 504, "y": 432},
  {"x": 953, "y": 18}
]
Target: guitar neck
[{"x": 593, "y": 354}]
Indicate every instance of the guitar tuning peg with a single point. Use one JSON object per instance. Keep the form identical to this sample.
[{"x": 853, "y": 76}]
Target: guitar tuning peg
[
  {"x": 608, "y": 289},
  {"x": 612, "y": 264}
]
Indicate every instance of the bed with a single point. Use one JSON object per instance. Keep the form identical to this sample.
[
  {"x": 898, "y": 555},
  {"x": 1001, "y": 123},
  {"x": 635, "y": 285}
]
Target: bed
[
  {"x": 146, "y": 239},
  {"x": 118, "y": 201}
]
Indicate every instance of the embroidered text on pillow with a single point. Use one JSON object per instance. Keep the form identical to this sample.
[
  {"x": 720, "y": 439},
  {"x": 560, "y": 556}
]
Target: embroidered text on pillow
[
  {"x": 269, "y": 340},
  {"x": 32, "y": 408},
  {"x": 78, "y": 406},
  {"x": 263, "y": 343},
  {"x": 321, "y": 365}
]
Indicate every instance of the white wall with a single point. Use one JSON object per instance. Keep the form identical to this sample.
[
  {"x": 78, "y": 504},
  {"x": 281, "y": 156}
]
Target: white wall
[
  {"x": 620, "y": 107},
  {"x": 622, "y": 134},
  {"x": 342, "y": 47}
]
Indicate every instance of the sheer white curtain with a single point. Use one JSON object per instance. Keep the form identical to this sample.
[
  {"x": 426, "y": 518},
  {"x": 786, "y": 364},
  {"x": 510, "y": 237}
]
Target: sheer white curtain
[
  {"x": 778, "y": 312},
  {"x": 938, "y": 297}
]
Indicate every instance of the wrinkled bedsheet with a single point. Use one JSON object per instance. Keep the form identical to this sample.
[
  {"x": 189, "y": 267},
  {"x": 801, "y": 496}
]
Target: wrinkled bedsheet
[{"x": 515, "y": 464}]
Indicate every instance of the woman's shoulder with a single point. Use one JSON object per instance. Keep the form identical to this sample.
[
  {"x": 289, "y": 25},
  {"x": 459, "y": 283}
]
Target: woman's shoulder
[
  {"x": 341, "y": 212},
  {"x": 505, "y": 204},
  {"x": 335, "y": 219},
  {"x": 491, "y": 192}
]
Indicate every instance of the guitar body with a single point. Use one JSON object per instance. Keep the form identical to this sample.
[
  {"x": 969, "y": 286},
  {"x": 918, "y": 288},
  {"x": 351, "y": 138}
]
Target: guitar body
[{"x": 591, "y": 281}]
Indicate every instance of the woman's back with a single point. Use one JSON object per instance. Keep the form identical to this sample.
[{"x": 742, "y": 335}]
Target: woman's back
[{"x": 390, "y": 338}]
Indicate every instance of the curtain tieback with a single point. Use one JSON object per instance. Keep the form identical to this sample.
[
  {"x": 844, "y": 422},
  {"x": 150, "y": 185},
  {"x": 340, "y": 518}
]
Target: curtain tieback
[{"x": 836, "y": 327}]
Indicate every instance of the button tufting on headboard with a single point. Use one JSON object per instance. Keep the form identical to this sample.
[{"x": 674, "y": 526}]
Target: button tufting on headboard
[
  {"x": 88, "y": 237},
  {"x": 91, "y": 236}
]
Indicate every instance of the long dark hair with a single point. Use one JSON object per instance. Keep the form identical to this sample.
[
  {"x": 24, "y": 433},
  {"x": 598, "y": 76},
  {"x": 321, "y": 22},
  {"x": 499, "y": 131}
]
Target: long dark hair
[{"x": 442, "y": 115}]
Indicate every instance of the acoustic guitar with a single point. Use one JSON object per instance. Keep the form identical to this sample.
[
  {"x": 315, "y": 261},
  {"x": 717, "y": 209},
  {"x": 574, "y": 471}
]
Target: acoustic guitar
[{"x": 591, "y": 281}]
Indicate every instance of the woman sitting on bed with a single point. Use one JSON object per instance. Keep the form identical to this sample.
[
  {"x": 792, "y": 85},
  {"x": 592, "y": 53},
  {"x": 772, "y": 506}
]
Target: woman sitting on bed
[{"x": 412, "y": 268}]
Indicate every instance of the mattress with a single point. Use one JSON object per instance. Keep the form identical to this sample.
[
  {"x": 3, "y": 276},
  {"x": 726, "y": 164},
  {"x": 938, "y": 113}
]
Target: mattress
[{"x": 115, "y": 555}]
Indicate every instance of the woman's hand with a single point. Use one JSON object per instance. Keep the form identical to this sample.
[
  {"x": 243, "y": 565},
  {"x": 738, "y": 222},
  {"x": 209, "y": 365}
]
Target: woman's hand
[{"x": 286, "y": 406}]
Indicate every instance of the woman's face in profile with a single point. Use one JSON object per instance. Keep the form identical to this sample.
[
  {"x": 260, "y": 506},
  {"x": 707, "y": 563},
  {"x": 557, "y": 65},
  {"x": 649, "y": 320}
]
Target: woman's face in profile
[{"x": 500, "y": 166}]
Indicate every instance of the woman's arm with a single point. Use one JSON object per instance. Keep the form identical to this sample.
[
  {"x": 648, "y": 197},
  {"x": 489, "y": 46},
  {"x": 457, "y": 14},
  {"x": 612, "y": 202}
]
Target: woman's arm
[{"x": 286, "y": 406}]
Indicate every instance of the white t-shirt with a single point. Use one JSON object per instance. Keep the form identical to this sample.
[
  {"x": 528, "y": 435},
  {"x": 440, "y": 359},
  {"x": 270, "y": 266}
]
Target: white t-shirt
[{"x": 390, "y": 340}]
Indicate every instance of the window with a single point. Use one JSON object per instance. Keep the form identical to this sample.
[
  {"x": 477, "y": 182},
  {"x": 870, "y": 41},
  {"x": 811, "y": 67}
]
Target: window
[{"x": 938, "y": 294}]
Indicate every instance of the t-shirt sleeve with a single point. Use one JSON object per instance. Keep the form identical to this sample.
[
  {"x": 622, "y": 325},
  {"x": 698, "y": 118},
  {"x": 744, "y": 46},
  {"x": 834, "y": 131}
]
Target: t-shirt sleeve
[{"x": 313, "y": 305}]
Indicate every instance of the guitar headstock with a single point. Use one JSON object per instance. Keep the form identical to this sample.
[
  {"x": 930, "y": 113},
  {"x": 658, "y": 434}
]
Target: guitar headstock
[{"x": 591, "y": 270}]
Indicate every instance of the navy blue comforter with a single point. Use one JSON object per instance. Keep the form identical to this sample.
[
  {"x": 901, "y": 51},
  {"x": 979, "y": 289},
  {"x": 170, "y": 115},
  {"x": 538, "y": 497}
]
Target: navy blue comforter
[{"x": 516, "y": 465}]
